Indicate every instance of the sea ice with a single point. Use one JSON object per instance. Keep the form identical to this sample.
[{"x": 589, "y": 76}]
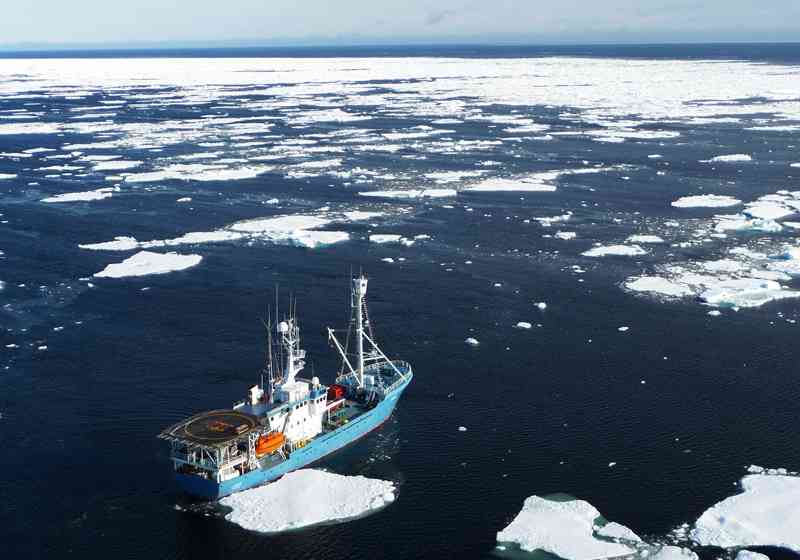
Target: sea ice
[
  {"x": 764, "y": 514},
  {"x": 7, "y": 176},
  {"x": 615, "y": 250},
  {"x": 731, "y": 158},
  {"x": 565, "y": 235},
  {"x": 745, "y": 292},
  {"x": 146, "y": 262},
  {"x": 472, "y": 341},
  {"x": 750, "y": 555},
  {"x": 325, "y": 498},
  {"x": 564, "y": 528},
  {"x": 385, "y": 238},
  {"x": 644, "y": 239},
  {"x": 418, "y": 193},
  {"x": 523, "y": 325},
  {"x": 85, "y": 196},
  {"x": 706, "y": 201}
]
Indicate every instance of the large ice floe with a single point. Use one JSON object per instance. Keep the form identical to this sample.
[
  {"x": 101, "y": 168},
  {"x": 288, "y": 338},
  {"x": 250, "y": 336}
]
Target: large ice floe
[
  {"x": 706, "y": 201},
  {"x": 411, "y": 193},
  {"x": 325, "y": 498},
  {"x": 744, "y": 279},
  {"x": 568, "y": 528},
  {"x": 145, "y": 263},
  {"x": 731, "y": 158},
  {"x": 615, "y": 250},
  {"x": 544, "y": 181},
  {"x": 85, "y": 196},
  {"x": 764, "y": 514},
  {"x": 300, "y": 229},
  {"x": 574, "y": 529}
]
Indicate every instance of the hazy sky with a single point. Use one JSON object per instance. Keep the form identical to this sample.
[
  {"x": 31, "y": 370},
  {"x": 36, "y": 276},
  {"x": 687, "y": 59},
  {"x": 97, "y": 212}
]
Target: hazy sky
[{"x": 317, "y": 21}]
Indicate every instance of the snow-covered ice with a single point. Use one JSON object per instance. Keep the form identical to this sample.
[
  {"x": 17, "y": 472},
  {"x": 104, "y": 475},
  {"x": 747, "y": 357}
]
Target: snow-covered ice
[
  {"x": 565, "y": 528},
  {"x": 706, "y": 201},
  {"x": 614, "y": 250},
  {"x": 307, "y": 497},
  {"x": 85, "y": 196},
  {"x": 731, "y": 158},
  {"x": 764, "y": 514},
  {"x": 523, "y": 325},
  {"x": 642, "y": 238},
  {"x": 145, "y": 262},
  {"x": 472, "y": 341}
]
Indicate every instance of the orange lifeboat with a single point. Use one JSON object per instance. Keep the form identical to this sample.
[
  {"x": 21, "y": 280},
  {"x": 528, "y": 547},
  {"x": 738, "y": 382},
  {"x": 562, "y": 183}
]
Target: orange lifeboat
[{"x": 269, "y": 443}]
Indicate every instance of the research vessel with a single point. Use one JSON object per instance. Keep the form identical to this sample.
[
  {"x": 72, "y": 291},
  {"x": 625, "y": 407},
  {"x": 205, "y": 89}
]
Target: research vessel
[{"x": 288, "y": 422}]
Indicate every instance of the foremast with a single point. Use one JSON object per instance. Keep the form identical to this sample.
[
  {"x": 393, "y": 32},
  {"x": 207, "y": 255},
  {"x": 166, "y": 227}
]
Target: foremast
[{"x": 360, "y": 320}]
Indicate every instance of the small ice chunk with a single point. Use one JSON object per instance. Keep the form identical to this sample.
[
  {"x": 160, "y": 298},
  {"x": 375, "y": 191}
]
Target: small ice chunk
[
  {"x": 622, "y": 329},
  {"x": 657, "y": 285},
  {"x": 472, "y": 341},
  {"x": 462, "y": 429},
  {"x": 523, "y": 325},
  {"x": 184, "y": 199},
  {"x": 565, "y": 235},
  {"x": 385, "y": 238},
  {"x": 541, "y": 305}
]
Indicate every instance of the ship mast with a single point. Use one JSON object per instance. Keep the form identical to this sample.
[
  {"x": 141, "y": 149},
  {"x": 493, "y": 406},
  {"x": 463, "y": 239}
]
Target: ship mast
[{"x": 359, "y": 291}]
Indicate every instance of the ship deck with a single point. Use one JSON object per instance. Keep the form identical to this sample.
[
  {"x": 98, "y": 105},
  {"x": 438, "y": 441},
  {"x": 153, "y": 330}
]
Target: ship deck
[{"x": 213, "y": 428}]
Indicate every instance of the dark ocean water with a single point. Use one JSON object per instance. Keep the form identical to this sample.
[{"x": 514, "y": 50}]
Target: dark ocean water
[{"x": 547, "y": 409}]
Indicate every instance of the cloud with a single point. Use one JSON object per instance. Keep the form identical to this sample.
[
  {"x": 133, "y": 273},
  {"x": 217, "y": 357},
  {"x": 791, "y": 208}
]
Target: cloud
[{"x": 437, "y": 17}]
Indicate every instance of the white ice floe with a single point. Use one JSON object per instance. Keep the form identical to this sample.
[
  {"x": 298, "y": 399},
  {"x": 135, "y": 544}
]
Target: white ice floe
[
  {"x": 730, "y": 158},
  {"x": 145, "y": 262},
  {"x": 614, "y": 530},
  {"x": 198, "y": 172},
  {"x": 523, "y": 325},
  {"x": 85, "y": 196},
  {"x": 541, "y": 305},
  {"x": 6, "y": 176},
  {"x": 300, "y": 229},
  {"x": 565, "y": 528},
  {"x": 644, "y": 239},
  {"x": 565, "y": 235},
  {"x": 385, "y": 238},
  {"x": 118, "y": 165},
  {"x": 764, "y": 514},
  {"x": 418, "y": 193},
  {"x": 472, "y": 341},
  {"x": 706, "y": 201},
  {"x": 326, "y": 498},
  {"x": 750, "y": 555},
  {"x": 745, "y": 292},
  {"x": 657, "y": 285},
  {"x": 184, "y": 199},
  {"x": 669, "y": 552},
  {"x": 614, "y": 250}
]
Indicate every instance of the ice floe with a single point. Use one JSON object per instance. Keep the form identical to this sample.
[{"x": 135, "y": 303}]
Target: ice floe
[
  {"x": 411, "y": 193},
  {"x": 731, "y": 158},
  {"x": 641, "y": 238},
  {"x": 706, "y": 201},
  {"x": 299, "y": 229},
  {"x": 326, "y": 498},
  {"x": 4, "y": 176},
  {"x": 615, "y": 250},
  {"x": 567, "y": 528},
  {"x": 764, "y": 514},
  {"x": 472, "y": 341},
  {"x": 85, "y": 196},
  {"x": 145, "y": 263}
]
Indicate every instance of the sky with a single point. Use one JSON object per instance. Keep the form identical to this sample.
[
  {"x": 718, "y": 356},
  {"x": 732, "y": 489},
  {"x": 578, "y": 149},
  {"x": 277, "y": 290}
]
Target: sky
[{"x": 312, "y": 22}]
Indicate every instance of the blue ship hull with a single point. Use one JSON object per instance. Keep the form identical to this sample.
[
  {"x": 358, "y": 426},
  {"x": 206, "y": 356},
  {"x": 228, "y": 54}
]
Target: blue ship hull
[{"x": 318, "y": 448}]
